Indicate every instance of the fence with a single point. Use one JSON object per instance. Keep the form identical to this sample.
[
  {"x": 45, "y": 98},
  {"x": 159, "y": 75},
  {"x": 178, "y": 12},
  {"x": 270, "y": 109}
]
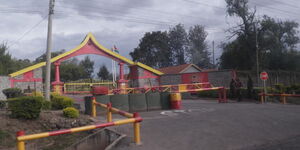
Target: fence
[
  {"x": 194, "y": 87},
  {"x": 85, "y": 88},
  {"x": 282, "y": 97},
  {"x": 132, "y": 118}
]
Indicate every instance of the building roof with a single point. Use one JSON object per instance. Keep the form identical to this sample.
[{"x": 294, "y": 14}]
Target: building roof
[
  {"x": 88, "y": 37},
  {"x": 177, "y": 69}
]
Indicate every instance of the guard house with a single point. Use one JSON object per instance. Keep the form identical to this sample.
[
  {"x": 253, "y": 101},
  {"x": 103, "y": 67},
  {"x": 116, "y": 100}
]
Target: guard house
[{"x": 182, "y": 74}]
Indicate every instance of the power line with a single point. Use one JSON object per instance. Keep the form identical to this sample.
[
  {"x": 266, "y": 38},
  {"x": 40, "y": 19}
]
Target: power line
[{"x": 29, "y": 30}]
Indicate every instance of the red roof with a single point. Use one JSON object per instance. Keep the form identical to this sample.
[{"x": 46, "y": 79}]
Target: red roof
[{"x": 177, "y": 69}]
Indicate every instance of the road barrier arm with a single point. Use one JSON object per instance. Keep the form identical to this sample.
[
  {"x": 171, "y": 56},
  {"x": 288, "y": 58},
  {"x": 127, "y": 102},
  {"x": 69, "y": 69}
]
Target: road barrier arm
[
  {"x": 282, "y": 96},
  {"x": 21, "y": 137}
]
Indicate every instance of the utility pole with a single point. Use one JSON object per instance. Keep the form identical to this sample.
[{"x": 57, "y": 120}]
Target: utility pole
[
  {"x": 256, "y": 47},
  {"x": 48, "y": 50},
  {"x": 213, "y": 51}
]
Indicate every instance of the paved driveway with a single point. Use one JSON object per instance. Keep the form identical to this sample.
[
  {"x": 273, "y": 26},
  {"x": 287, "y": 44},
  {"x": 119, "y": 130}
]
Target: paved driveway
[{"x": 208, "y": 125}]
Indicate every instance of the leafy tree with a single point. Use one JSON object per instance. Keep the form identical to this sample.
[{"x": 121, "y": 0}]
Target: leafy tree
[
  {"x": 103, "y": 73},
  {"x": 5, "y": 60},
  {"x": 88, "y": 67},
  {"x": 153, "y": 50},
  {"x": 70, "y": 70},
  {"x": 178, "y": 44},
  {"x": 198, "y": 47},
  {"x": 9, "y": 64},
  {"x": 276, "y": 41}
]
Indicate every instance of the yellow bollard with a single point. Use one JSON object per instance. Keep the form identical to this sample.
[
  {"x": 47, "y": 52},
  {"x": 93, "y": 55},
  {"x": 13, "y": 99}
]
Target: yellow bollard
[
  {"x": 262, "y": 98},
  {"x": 20, "y": 144},
  {"x": 109, "y": 113},
  {"x": 284, "y": 99},
  {"x": 94, "y": 107},
  {"x": 137, "y": 134}
]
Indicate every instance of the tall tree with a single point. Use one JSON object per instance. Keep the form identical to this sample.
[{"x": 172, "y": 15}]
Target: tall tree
[
  {"x": 276, "y": 41},
  {"x": 198, "y": 47},
  {"x": 153, "y": 50},
  {"x": 5, "y": 60},
  {"x": 178, "y": 44},
  {"x": 240, "y": 53},
  {"x": 103, "y": 73},
  {"x": 88, "y": 66}
]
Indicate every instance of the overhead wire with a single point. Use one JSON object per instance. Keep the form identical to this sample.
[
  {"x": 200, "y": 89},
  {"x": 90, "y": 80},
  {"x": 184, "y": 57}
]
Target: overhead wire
[{"x": 29, "y": 30}]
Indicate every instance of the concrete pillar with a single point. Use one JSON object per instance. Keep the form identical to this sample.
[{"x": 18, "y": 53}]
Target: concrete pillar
[
  {"x": 57, "y": 84},
  {"x": 122, "y": 83}
]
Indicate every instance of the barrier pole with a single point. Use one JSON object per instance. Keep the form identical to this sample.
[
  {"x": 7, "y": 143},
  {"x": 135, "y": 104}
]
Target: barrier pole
[
  {"x": 94, "y": 113},
  {"x": 20, "y": 144},
  {"x": 284, "y": 99},
  {"x": 137, "y": 134},
  {"x": 262, "y": 98},
  {"x": 109, "y": 113}
]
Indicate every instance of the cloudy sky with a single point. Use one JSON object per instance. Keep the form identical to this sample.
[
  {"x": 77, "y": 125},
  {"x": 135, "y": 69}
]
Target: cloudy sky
[{"x": 118, "y": 22}]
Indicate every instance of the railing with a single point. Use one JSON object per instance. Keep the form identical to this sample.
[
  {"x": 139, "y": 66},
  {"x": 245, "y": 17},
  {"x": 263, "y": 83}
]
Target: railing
[
  {"x": 85, "y": 88},
  {"x": 194, "y": 87},
  {"x": 131, "y": 118},
  {"x": 282, "y": 97}
]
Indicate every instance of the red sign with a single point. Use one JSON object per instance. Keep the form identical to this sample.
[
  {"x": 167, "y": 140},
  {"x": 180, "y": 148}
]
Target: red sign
[{"x": 264, "y": 76}]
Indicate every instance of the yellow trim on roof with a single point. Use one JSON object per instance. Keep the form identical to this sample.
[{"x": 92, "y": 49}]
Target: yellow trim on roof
[
  {"x": 148, "y": 68},
  {"x": 84, "y": 42}
]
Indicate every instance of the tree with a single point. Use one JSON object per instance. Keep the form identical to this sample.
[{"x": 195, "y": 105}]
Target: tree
[
  {"x": 240, "y": 53},
  {"x": 103, "y": 73},
  {"x": 198, "y": 47},
  {"x": 8, "y": 64},
  {"x": 153, "y": 50},
  {"x": 5, "y": 60},
  {"x": 88, "y": 67},
  {"x": 178, "y": 44},
  {"x": 276, "y": 41},
  {"x": 70, "y": 70}
]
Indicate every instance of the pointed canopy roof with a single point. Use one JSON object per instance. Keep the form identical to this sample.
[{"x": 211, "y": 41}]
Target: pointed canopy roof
[{"x": 83, "y": 48}]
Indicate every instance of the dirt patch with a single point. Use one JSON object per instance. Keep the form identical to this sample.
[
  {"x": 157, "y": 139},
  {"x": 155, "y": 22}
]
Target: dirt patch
[{"x": 48, "y": 121}]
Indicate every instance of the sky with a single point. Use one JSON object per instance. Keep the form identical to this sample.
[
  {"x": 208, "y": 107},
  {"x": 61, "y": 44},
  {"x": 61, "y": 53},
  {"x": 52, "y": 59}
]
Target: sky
[{"x": 119, "y": 22}]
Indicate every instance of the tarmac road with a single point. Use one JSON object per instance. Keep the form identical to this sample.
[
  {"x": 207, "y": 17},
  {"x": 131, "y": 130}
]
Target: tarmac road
[{"x": 208, "y": 125}]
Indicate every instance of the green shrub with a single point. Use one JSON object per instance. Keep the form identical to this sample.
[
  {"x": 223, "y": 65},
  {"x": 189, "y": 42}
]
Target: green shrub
[
  {"x": 2, "y": 104},
  {"x": 46, "y": 105},
  {"x": 280, "y": 88},
  {"x": 71, "y": 112},
  {"x": 26, "y": 107},
  {"x": 61, "y": 102},
  {"x": 12, "y": 92},
  {"x": 215, "y": 93}
]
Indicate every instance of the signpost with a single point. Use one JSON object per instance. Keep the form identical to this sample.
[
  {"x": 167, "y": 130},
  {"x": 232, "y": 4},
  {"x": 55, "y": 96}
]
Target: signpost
[{"x": 264, "y": 76}]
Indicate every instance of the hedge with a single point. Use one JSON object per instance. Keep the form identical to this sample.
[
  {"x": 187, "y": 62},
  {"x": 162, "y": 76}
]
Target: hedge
[
  {"x": 12, "y": 92},
  {"x": 61, "y": 102},
  {"x": 26, "y": 107}
]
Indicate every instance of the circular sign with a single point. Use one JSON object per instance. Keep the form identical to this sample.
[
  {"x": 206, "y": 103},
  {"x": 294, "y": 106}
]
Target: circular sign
[{"x": 264, "y": 75}]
